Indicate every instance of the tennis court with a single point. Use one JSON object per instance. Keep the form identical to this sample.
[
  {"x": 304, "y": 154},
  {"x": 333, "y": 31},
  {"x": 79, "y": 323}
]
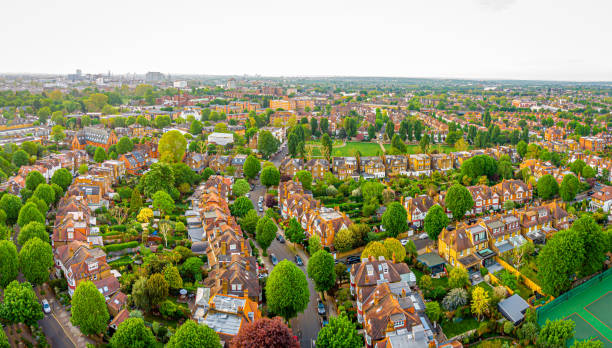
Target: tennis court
[{"x": 589, "y": 305}]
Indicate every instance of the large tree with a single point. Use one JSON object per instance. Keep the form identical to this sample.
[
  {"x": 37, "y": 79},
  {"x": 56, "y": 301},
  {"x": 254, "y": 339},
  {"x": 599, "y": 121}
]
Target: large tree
[
  {"x": 270, "y": 176},
  {"x": 249, "y": 221},
  {"x": 9, "y": 264},
  {"x": 267, "y": 144},
  {"x": 89, "y": 310},
  {"x": 194, "y": 335},
  {"x": 555, "y": 334},
  {"x": 20, "y": 304},
  {"x": 251, "y": 167},
  {"x": 35, "y": 259},
  {"x": 326, "y": 146},
  {"x": 62, "y": 177},
  {"x": 100, "y": 155},
  {"x": 341, "y": 332},
  {"x": 172, "y": 146},
  {"x": 31, "y": 230},
  {"x": 295, "y": 232},
  {"x": 124, "y": 145},
  {"x": 394, "y": 220},
  {"x": 11, "y": 205},
  {"x": 240, "y": 187},
  {"x": 593, "y": 239},
  {"x": 558, "y": 260},
  {"x": 321, "y": 270},
  {"x": 459, "y": 201},
  {"x": 28, "y": 213},
  {"x": 265, "y": 231},
  {"x": 265, "y": 333},
  {"x": 133, "y": 333},
  {"x": 241, "y": 206},
  {"x": 163, "y": 202},
  {"x": 157, "y": 289},
  {"x": 304, "y": 177},
  {"x": 435, "y": 221},
  {"x": 287, "y": 290},
  {"x": 547, "y": 187},
  {"x": 569, "y": 187},
  {"x": 33, "y": 179},
  {"x": 159, "y": 177}
]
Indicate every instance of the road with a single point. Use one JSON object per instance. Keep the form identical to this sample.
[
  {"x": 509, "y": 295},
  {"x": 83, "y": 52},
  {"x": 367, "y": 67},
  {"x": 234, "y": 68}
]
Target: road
[
  {"x": 54, "y": 332},
  {"x": 307, "y": 323}
]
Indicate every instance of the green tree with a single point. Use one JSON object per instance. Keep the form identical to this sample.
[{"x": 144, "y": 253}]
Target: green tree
[
  {"x": 374, "y": 249},
  {"x": 314, "y": 244},
  {"x": 327, "y": 146},
  {"x": 594, "y": 244},
  {"x": 28, "y": 213},
  {"x": 241, "y": 206},
  {"x": 433, "y": 311},
  {"x": 249, "y": 221},
  {"x": 133, "y": 333},
  {"x": 172, "y": 146},
  {"x": 321, "y": 270},
  {"x": 100, "y": 155},
  {"x": 20, "y": 304},
  {"x": 35, "y": 259},
  {"x": 83, "y": 169},
  {"x": 343, "y": 240},
  {"x": 9, "y": 264},
  {"x": 33, "y": 179},
  {"x": 521, "y": 148},
  {"x": 435, "y": 221},
  {"x": 31, "y": 230},
  {"x": 267, "y": 144},
  {"x": 124, "y": 145},
  {"x": 304, "y": 177},
  {"x": 251, "y": 167},
  {"x": 458, "y": 278},
  {"x": 558, "y": 261},
  {"x": 196, "y": 127},
  {"x": 591, "y": 343},
  {"x": 341, "y": 332},
  {"x": 295, "y": 232},
  {"x": 240, "y": 187},
  {"x": 4, "y": 342},
  {"x": 194, "y": 335},
  {"x": 173, "y": 278},
  {"x": 20, "y": 158},
  {"x": 395, "y": 250},
  {"x": 287, "y": 290},
  {"x": 270, "y": 176},
  {"x": 547, "y": 187},
  {"x": 265, "y": 232},
  {"x": 89, "y": 310},
  {"x": 159, "y": 178},
  {"x": 135, "y": 200},
  {"x": 459, "y": 201},
  {"x": 577, "y": 166},
  {"x": 46, "y": 193},
  {"x": 555, "y": 334},
  {"x": 394, "y": 220},
  {"x": 62, "y": 177},
  {"x": 157, "y": 289},
  {"x": 11, "y": 205},
  {"x": 163, "y": 202},
  {"x": 569, "y": 187}
]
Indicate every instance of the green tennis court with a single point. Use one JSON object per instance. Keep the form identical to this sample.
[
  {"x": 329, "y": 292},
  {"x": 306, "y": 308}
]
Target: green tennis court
[{"x": 589, "y": 306}]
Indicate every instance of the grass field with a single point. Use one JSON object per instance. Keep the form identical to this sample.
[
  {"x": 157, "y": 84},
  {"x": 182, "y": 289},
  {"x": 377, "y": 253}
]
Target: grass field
[
  {"x": 342, "y": 149},
  {"x": 590, "y": 308}
]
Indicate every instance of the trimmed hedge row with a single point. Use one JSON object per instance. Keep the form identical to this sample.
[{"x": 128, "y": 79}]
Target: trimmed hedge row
[{"x": 121, "y": 246}]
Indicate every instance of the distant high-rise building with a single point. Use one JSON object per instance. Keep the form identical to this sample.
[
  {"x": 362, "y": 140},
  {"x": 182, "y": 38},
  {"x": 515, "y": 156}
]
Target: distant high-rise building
[
  {"x": 79, "y": 72},
  {"x": 231, "y": 83},
  {"x": 154, "y": 76}
]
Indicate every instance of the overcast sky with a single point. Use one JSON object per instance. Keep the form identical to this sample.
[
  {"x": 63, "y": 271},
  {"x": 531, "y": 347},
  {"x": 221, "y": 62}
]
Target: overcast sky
[{"x": 515, "y": 39}]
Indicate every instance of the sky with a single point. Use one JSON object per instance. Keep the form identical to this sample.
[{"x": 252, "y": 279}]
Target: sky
[{"x": 480, "y": 39}]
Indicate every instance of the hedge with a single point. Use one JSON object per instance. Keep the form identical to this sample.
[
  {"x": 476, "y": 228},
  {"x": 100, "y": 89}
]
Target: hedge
[
  {"x": 120, "y": 228},
  {"x": 117, "y": 247}
]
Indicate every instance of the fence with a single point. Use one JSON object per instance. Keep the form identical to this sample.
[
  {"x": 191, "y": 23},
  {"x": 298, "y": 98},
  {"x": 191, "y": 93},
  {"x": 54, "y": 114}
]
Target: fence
[
  {"x": 573, "y": 292},
  {"x": 496, "y": 281},
  {"x": 528, "y": 282}
]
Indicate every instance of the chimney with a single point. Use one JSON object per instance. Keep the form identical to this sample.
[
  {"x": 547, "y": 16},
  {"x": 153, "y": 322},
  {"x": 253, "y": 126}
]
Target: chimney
[
  {"x": 224, "y": 287},
  {"x": 223, "y": 248},
  {"x": 246, "y": 292}
]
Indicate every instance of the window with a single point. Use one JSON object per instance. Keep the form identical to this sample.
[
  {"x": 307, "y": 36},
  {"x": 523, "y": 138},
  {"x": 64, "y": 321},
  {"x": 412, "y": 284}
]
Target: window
[{"x": 398, "y": 323}]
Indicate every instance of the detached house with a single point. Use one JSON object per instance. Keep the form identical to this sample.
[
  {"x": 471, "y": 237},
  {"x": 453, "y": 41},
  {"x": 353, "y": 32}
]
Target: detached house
[
  {"x": 465, "y": 246},
  {"x": 602, "y": 199},
  {"x": 79, "y": 262},
  {"x": 514, "y": 190},
  {"x": 417, "y": 208}
]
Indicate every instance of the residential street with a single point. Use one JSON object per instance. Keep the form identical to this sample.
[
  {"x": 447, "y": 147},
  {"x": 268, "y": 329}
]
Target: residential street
[{"x": 307, "y": 324}]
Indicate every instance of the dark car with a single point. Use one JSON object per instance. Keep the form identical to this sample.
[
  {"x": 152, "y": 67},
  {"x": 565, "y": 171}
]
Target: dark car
[
  {"x": 280, "y": 238},
  {"x": 298, "y": 260},
  {"x": 320, "y": 307},
  {"x": 273, "y": 259},
  {"x": 353, "y": 259}
]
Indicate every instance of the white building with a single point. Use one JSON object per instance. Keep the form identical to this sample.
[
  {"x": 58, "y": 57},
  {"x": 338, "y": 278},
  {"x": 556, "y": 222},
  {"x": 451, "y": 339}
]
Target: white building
[{"x": 221, "y": 138}]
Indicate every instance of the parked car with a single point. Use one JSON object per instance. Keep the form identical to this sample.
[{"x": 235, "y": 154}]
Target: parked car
[
  {"x": 273, "y": 259},
  {"x": 404, "y": 241},
  {"x": 280, "y": 238},
  {"x": 353, "y": 259},
  {"x": 46, "y": 307},
  {"x": 320, "y": 307},
  {"x": 298, "y": 260},
  {"x": 260, "y": 209}
]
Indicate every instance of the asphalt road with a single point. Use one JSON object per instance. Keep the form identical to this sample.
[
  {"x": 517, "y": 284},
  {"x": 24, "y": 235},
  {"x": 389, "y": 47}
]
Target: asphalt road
[
  {"x": 54, "y": 332},
  {"x": 307, "y": 324}
]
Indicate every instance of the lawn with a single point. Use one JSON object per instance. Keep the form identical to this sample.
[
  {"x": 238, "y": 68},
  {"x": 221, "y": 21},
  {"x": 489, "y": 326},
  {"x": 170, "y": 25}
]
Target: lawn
[
  {"x": 452, "y": 328},
  {"x": 486, "y": 286},
  {"x": 497, "y": 342}
]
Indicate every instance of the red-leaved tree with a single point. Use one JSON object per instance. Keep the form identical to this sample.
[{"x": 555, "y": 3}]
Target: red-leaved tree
[{"x": 265, "y": 333}]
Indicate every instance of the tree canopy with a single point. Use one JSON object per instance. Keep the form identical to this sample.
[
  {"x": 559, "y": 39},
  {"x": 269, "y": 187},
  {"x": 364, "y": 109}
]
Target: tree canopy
[
  {"x": 321, "y": 270},
  {"x": 287, "y": 290},
  {"x": 20, "y": 304},
  {"x": 194, "y": 335},
  {"x": 89, "y": 310},
  {"x": 435, "y": 221},
  {"x": 394, "y": 220},
  {"x": 172, "y": 146},
  {"x": 265, "y": 333},
  {"x": 459, "y": 201},
  {"x": 35, "y": 259},
  {"x": 132, "y": 333}
]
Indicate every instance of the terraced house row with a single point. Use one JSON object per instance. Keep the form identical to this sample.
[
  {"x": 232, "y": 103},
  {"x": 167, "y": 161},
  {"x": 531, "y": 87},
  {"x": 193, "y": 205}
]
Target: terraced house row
[
  {"x": 314, "y": 218},
  {"x": 378, "y": 167},
  {"x": 231, "y": 292},
  {"x": 474, "y": 243}
]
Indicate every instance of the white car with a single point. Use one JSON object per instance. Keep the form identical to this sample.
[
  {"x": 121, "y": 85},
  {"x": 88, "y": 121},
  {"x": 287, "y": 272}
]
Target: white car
[
  {"x": 46, "y": 307},
  {"x": 404, "y": 241}
]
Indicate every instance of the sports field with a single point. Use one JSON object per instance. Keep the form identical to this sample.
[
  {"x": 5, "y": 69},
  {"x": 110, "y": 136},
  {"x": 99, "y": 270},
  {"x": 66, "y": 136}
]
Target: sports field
[{"x": 589, "y": 306}]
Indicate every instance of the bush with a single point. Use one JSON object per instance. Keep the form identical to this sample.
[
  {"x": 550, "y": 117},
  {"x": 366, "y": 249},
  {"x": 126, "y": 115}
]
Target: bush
[
  {"x": 121, "y": 246},
  {"x": 483, "y": 271}
]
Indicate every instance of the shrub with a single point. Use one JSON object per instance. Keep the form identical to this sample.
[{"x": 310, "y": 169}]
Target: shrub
[
  {"x": 456, "y": 298},
  {"x": 483, "y": 271},
  {"x": 121, "y": 246}
]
